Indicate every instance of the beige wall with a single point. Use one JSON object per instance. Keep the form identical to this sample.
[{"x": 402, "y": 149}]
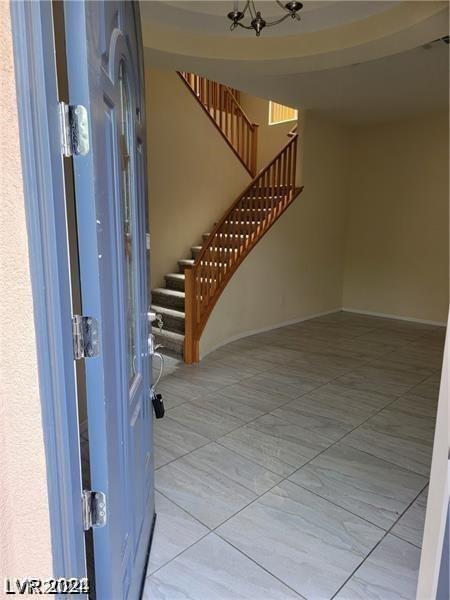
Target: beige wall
[
  {"x": 296, "y": 270},
  {"x": 397, "y": 236},
  {"x": 271, "y": 138},
  {"x": 193, "y": 175},
  {"x": 25, "y": 548}
]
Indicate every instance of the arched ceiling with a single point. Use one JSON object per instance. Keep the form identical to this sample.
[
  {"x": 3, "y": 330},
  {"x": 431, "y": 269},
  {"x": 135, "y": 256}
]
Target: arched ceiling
[{"x": 311, "y": 63}]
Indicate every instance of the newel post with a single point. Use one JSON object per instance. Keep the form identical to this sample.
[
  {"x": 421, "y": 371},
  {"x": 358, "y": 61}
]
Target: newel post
[{"x": 191, "y": 350}]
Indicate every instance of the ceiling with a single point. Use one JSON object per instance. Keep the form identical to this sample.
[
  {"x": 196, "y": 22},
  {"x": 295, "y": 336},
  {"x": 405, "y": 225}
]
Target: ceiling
[
  {"x": 205, "y": 15},
  {"x": 354, "y": 61}
]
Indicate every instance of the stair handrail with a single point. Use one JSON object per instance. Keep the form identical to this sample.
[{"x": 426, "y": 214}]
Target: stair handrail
[
  {"x": 219, "y": 102},
  {"x": 275, "y": 180}
]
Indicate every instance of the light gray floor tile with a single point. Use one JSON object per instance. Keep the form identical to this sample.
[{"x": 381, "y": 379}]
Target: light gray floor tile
[
  {"x": 172, "y": 439},
  {"x": 390, "y": 573},
  {"x": 398, "y": 437},
  {"x": 213, "y": 483},
  {"x": 368, "y": 348},
  {"x": 209, "y": 423},
  {"x": 175, "y": 391},
  {"x": 327, "y": 365},
  {"x": 259, "y": 399},
  {"x": 175, "y": 531},
  {"x": 364, "y": 402},
  {"x": 397, "y": 338},
  {"x": 375, "y": 383},
  {"x": 410, "y": 525},
  {"x": 416, "y": 355},
  {"x": 214, "y": 570},
  {"x": 363, "y": 484},
  {"x": 214, "y": 375},
  {"x": 238, "y": 359},
  {"x": 330, "y": 411},
  {"x": 428, "y": 388},
  {"x": 399, "y": 378},
  {"x": 307, "y": 542},
  {"x": 280, "y": 383},
  {"x": 227, "y": 404},
  {"x": 275, "y": 444},
  {"x": 416, "y": 405}
]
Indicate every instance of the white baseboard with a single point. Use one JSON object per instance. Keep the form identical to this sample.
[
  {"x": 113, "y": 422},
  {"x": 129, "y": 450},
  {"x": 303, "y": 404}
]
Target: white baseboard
[
  {"x": 239, "y": 336},
  {"x": 371, "y": 313}
]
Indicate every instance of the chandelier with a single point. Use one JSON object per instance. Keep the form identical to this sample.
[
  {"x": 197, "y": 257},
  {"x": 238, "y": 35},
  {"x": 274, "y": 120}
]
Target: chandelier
[{"x": 257, "y": 22}]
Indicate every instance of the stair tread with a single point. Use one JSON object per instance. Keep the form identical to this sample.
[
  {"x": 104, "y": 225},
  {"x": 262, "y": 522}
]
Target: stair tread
[
  {"x": 176, "y": 337},
  {"x": 186, "y": 261},
  {"x": 167, "y": 311},
  {"x": 175, "y": 276},
  {"x": 168, "y": 292}
]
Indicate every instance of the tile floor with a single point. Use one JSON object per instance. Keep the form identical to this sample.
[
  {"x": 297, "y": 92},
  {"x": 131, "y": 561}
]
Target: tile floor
[{"x": 295, "y": 464}]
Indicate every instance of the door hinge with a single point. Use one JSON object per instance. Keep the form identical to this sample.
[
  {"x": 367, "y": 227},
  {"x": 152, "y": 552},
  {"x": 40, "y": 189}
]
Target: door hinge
[
  {"x": 94, "y": 509},
  {"x": 74, "y": 126},
  {"x": 85, "y": 337}
]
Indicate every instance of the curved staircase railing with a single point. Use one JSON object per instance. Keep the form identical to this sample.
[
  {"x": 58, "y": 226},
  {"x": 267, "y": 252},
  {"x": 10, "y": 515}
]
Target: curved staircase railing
[
  {"x": 233, "y": 237},
  {"x": 221, "y": 104}
]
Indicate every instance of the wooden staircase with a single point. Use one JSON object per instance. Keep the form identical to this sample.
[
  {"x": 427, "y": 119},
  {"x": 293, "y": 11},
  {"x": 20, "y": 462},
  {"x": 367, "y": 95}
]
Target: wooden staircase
[
  {"x": 191, "y": 294},
  {"x": 221, "y": 104}
]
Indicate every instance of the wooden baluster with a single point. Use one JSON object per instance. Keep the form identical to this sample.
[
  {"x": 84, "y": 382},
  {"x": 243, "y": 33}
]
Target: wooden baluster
[
  {"x": 217, "y": 102},
  {"x": 222, "y": 113},
  {"x": 218, "y": 112},
  {"x": 273, "y": 192},
  {"x": 294, "y": 176},
  {"x": 288, "y": 164},
  {"x": 240, "y": 230},
  {"x": 218, "y": 260},
  {"x": 285, "y": 179},
  {"x": 291, "y": 180},
  {"x": 229, "y": 116},
  {"x": 250, "y": 211},
  {"x": 280, "y": 182},
  {"x": 291, "y": 170},
  {"x": 253, "y": 148},
  {"x": 210, "y": 272},
  {"x": 239, "y": 128},
  {"x": 249, "y": 154},
  {"x": 259, "y": 204},
  {"x": 233, "y": 124}
]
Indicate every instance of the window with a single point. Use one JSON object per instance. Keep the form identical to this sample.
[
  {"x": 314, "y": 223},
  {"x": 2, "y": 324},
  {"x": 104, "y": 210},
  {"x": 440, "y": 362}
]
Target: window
[
  {"x": 281, "y": 114},
  {"x": 129, "y": 218}
]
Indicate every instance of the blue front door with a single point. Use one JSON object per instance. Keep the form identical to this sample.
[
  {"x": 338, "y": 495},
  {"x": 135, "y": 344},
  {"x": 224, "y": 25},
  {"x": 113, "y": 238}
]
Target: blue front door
[{"x": 105, "y": 75}]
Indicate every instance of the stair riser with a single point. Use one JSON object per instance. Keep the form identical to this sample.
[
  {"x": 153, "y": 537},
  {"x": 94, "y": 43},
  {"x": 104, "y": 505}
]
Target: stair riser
[
  {"x": 195, "y": 252},
  {"x": 175, "y": 284},
  {"x": 168, "y": 301},
  {"x": 174, "y": 346},
  {"x": 175, "y": 324}
]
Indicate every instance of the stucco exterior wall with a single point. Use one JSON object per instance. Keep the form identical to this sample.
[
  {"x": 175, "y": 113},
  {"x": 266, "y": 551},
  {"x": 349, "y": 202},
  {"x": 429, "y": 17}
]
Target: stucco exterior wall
[{"x": 25, "y": 547}]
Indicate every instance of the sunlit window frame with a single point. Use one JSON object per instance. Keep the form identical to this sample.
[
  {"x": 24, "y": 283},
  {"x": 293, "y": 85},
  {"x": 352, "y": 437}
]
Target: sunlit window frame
[{"x": 289, "y": 120}]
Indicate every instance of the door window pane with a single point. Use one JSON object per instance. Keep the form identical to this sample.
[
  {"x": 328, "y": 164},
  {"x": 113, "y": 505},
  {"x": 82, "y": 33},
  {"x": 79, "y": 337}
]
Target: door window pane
[{"x": 130, "y": 267}]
